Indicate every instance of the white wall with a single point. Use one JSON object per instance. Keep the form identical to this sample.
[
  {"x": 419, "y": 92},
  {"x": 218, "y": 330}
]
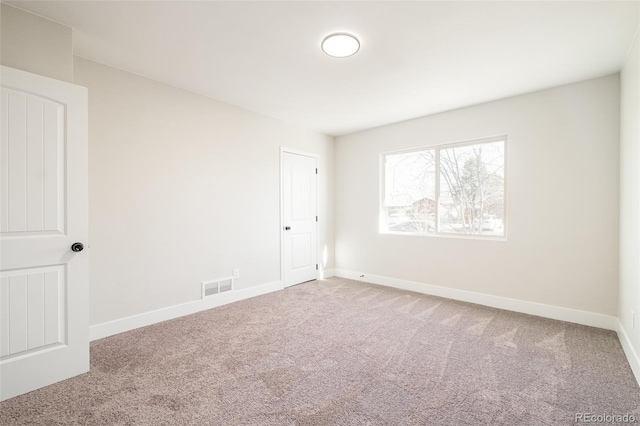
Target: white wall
[
  {"x": 630, "y": 195},
  {"x": 562, "y": 186},
  {"x": 183, "y": 188},
  {"x": 35, "y": 44}
]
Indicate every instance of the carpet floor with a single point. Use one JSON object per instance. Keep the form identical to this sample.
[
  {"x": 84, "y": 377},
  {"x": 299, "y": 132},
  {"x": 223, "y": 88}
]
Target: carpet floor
[{"x": 341, "y": 352}]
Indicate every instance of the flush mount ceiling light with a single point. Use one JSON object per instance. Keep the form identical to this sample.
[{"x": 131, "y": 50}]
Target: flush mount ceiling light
[{"x": 340, "y": 45}]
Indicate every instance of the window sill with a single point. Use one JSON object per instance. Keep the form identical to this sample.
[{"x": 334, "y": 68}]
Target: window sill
[{"x": 450, "y": 236}]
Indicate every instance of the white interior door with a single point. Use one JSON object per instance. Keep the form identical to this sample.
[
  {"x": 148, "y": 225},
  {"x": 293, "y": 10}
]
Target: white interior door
[
  {"x": 300, "y": 230},
  {"x": 44, "y": 322}
]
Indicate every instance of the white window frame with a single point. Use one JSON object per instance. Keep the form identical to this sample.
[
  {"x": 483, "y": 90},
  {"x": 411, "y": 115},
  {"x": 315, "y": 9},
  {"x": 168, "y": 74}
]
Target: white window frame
[{"x": 437, "y": 148}]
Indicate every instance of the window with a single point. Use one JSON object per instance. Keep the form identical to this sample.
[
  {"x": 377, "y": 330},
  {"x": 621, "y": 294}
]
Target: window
[{"x": 456, "y": 189}]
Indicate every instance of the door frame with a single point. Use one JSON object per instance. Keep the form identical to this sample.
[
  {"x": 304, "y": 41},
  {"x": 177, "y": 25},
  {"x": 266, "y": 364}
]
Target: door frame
[{"x": 286, "y": 150}]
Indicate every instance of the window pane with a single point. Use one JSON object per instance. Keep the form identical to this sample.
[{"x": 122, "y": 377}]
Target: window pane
[
  {"x": 472, "y": 189},
  {"x": 409, "y": 192}
]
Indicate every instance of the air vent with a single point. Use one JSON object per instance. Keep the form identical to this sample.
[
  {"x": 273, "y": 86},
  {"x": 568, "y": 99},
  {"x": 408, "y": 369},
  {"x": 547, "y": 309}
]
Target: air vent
[{"x": 217, "y": 286}]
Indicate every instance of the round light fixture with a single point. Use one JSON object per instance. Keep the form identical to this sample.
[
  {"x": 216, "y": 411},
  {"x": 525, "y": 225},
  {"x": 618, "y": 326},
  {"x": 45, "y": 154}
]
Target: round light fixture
[{"x": 340, "y": 45}]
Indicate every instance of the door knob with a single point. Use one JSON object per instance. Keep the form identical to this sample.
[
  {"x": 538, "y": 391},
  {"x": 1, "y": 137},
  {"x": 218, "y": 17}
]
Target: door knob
[
  {"x": 77, "y": 247},
  {"x": 286, "y": 228}
]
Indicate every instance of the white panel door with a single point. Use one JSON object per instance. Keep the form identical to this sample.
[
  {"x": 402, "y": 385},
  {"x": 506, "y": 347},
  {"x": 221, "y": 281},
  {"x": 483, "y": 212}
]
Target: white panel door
[
  {"x": 44, "y": 321},
  {"x": 299, "y": 202}
]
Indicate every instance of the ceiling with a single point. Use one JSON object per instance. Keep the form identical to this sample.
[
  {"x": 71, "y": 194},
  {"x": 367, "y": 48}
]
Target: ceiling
[{"x": 416, "y": 58}]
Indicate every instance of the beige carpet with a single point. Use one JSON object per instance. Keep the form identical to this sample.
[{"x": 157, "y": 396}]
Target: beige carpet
[{"x": 340, "y": 352}]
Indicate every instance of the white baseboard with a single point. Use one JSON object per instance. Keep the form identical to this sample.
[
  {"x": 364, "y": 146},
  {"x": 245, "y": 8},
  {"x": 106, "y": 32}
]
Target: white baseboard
[
  {"x": 110, "y": 328},
  {"x": 630, "y": 352},
  {"x": 327, "y": 273},
  {"x": 532, "y": 308}
]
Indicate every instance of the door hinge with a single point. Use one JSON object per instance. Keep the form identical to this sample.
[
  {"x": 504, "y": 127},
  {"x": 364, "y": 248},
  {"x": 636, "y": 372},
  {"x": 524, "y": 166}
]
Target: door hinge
[
  {"x": 316, "y": 266},
  {"x": 316, "y": 218},
  {"x": 316, "y": 171}
]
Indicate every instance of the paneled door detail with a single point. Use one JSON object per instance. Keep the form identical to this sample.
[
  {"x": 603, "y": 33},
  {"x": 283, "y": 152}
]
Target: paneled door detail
[
  {"x": 299, "y": 201},
  {"x": 44, "y": 328}
]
